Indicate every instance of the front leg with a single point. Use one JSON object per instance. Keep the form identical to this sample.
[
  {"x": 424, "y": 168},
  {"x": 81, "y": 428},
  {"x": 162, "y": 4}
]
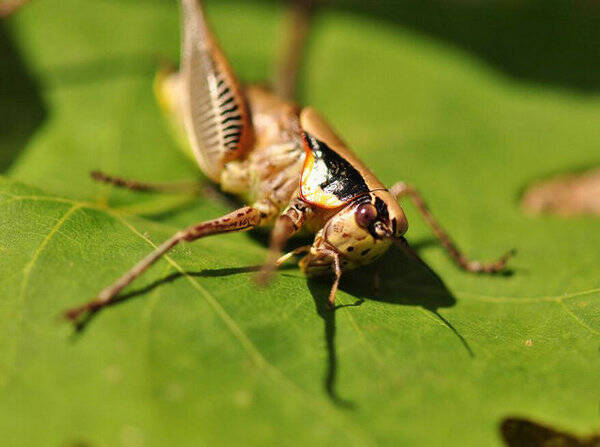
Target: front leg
[
  {"x": 401, "y": 189},
  {"x": 286, "y": 225},
  {"x": 337, "y": 270},
  {"x": 242, "y": 219}
]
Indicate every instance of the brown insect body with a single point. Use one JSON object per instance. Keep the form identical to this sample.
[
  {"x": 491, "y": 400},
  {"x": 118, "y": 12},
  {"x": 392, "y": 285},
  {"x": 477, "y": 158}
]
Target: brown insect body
[
  {"x": 268, "y": 167},
  {"x": 284, "y": 161},
  {"x": 268, "y": 176}
]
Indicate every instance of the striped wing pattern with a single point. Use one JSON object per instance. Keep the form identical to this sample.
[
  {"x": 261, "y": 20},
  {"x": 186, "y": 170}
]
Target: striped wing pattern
[{"x": 215, "y": 111}]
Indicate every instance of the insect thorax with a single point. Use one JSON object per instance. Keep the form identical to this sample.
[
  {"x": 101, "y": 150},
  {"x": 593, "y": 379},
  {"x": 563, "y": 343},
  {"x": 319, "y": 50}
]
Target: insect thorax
[{"x": 268, "y": 175}]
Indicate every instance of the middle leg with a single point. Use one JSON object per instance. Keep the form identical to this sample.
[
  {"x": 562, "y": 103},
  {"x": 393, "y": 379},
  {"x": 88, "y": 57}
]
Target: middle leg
[
  {"x": 286, "y": 225},
  {"x": 135, "y": 185}
]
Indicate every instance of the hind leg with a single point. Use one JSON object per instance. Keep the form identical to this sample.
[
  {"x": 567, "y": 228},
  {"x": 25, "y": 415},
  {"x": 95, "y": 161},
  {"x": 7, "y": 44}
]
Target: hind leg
[{"x": 298, "y": 20}]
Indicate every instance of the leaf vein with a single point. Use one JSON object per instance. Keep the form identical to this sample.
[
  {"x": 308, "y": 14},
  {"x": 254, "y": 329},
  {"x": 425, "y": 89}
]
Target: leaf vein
[
  {"x": 254, "y": 353},
  {"x": 579, "y": 321},
  {"x": 25, "y": 282}
]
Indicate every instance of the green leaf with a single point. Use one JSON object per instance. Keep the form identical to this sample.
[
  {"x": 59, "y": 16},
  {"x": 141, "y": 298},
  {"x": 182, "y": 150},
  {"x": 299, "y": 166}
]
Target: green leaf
[{"x": 200, "y": 355}]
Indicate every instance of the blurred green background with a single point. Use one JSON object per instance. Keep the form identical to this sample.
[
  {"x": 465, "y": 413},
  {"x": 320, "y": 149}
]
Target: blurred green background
[{"x": 470, "y": 101}]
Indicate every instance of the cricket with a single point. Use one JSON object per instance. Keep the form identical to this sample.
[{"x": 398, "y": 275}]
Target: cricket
[{"x": 284, "y": 161}]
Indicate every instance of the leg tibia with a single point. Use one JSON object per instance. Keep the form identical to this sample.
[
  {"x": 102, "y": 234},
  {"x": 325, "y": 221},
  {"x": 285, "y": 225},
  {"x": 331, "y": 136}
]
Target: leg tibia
[
  {"x": 243, "y": 219},
  {"x": 402, "y": 189},
  {"x": 134, "y": 185}
]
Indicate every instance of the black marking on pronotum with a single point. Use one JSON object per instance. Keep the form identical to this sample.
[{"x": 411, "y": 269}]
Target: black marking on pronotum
[
  {"x": 382, "y": 210},
  {"x": 339, "y": 178}
]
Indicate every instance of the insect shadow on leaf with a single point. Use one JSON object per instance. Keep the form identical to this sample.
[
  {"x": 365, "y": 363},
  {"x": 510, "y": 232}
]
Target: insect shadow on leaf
[
  {"x": 413, "y": 283},
  {"x": 406, "y": 280},
  {"x": 82, "y": 323}
]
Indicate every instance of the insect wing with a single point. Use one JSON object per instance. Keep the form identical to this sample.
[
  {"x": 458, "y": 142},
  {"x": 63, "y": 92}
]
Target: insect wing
[{"x": 215, "y": 112}]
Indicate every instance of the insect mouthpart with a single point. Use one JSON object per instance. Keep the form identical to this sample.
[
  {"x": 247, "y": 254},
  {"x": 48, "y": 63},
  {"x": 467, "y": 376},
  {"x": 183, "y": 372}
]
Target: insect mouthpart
[{"x": 381, "y": 230}]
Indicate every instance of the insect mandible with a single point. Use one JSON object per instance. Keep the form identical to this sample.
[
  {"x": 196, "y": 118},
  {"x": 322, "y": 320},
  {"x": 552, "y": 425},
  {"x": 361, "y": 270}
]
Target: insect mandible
[{"x": 284, "y": 161}]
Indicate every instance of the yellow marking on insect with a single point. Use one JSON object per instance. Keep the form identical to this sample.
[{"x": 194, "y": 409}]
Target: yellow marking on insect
[{"x": 313, "y": 174}]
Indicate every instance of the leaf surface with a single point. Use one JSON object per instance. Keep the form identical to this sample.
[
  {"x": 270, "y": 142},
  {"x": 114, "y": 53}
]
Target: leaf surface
[{"x": 200, "y": 355}]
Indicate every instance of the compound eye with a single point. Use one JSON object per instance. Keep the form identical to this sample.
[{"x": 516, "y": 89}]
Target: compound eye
[{"x": 365, "y": 215}]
